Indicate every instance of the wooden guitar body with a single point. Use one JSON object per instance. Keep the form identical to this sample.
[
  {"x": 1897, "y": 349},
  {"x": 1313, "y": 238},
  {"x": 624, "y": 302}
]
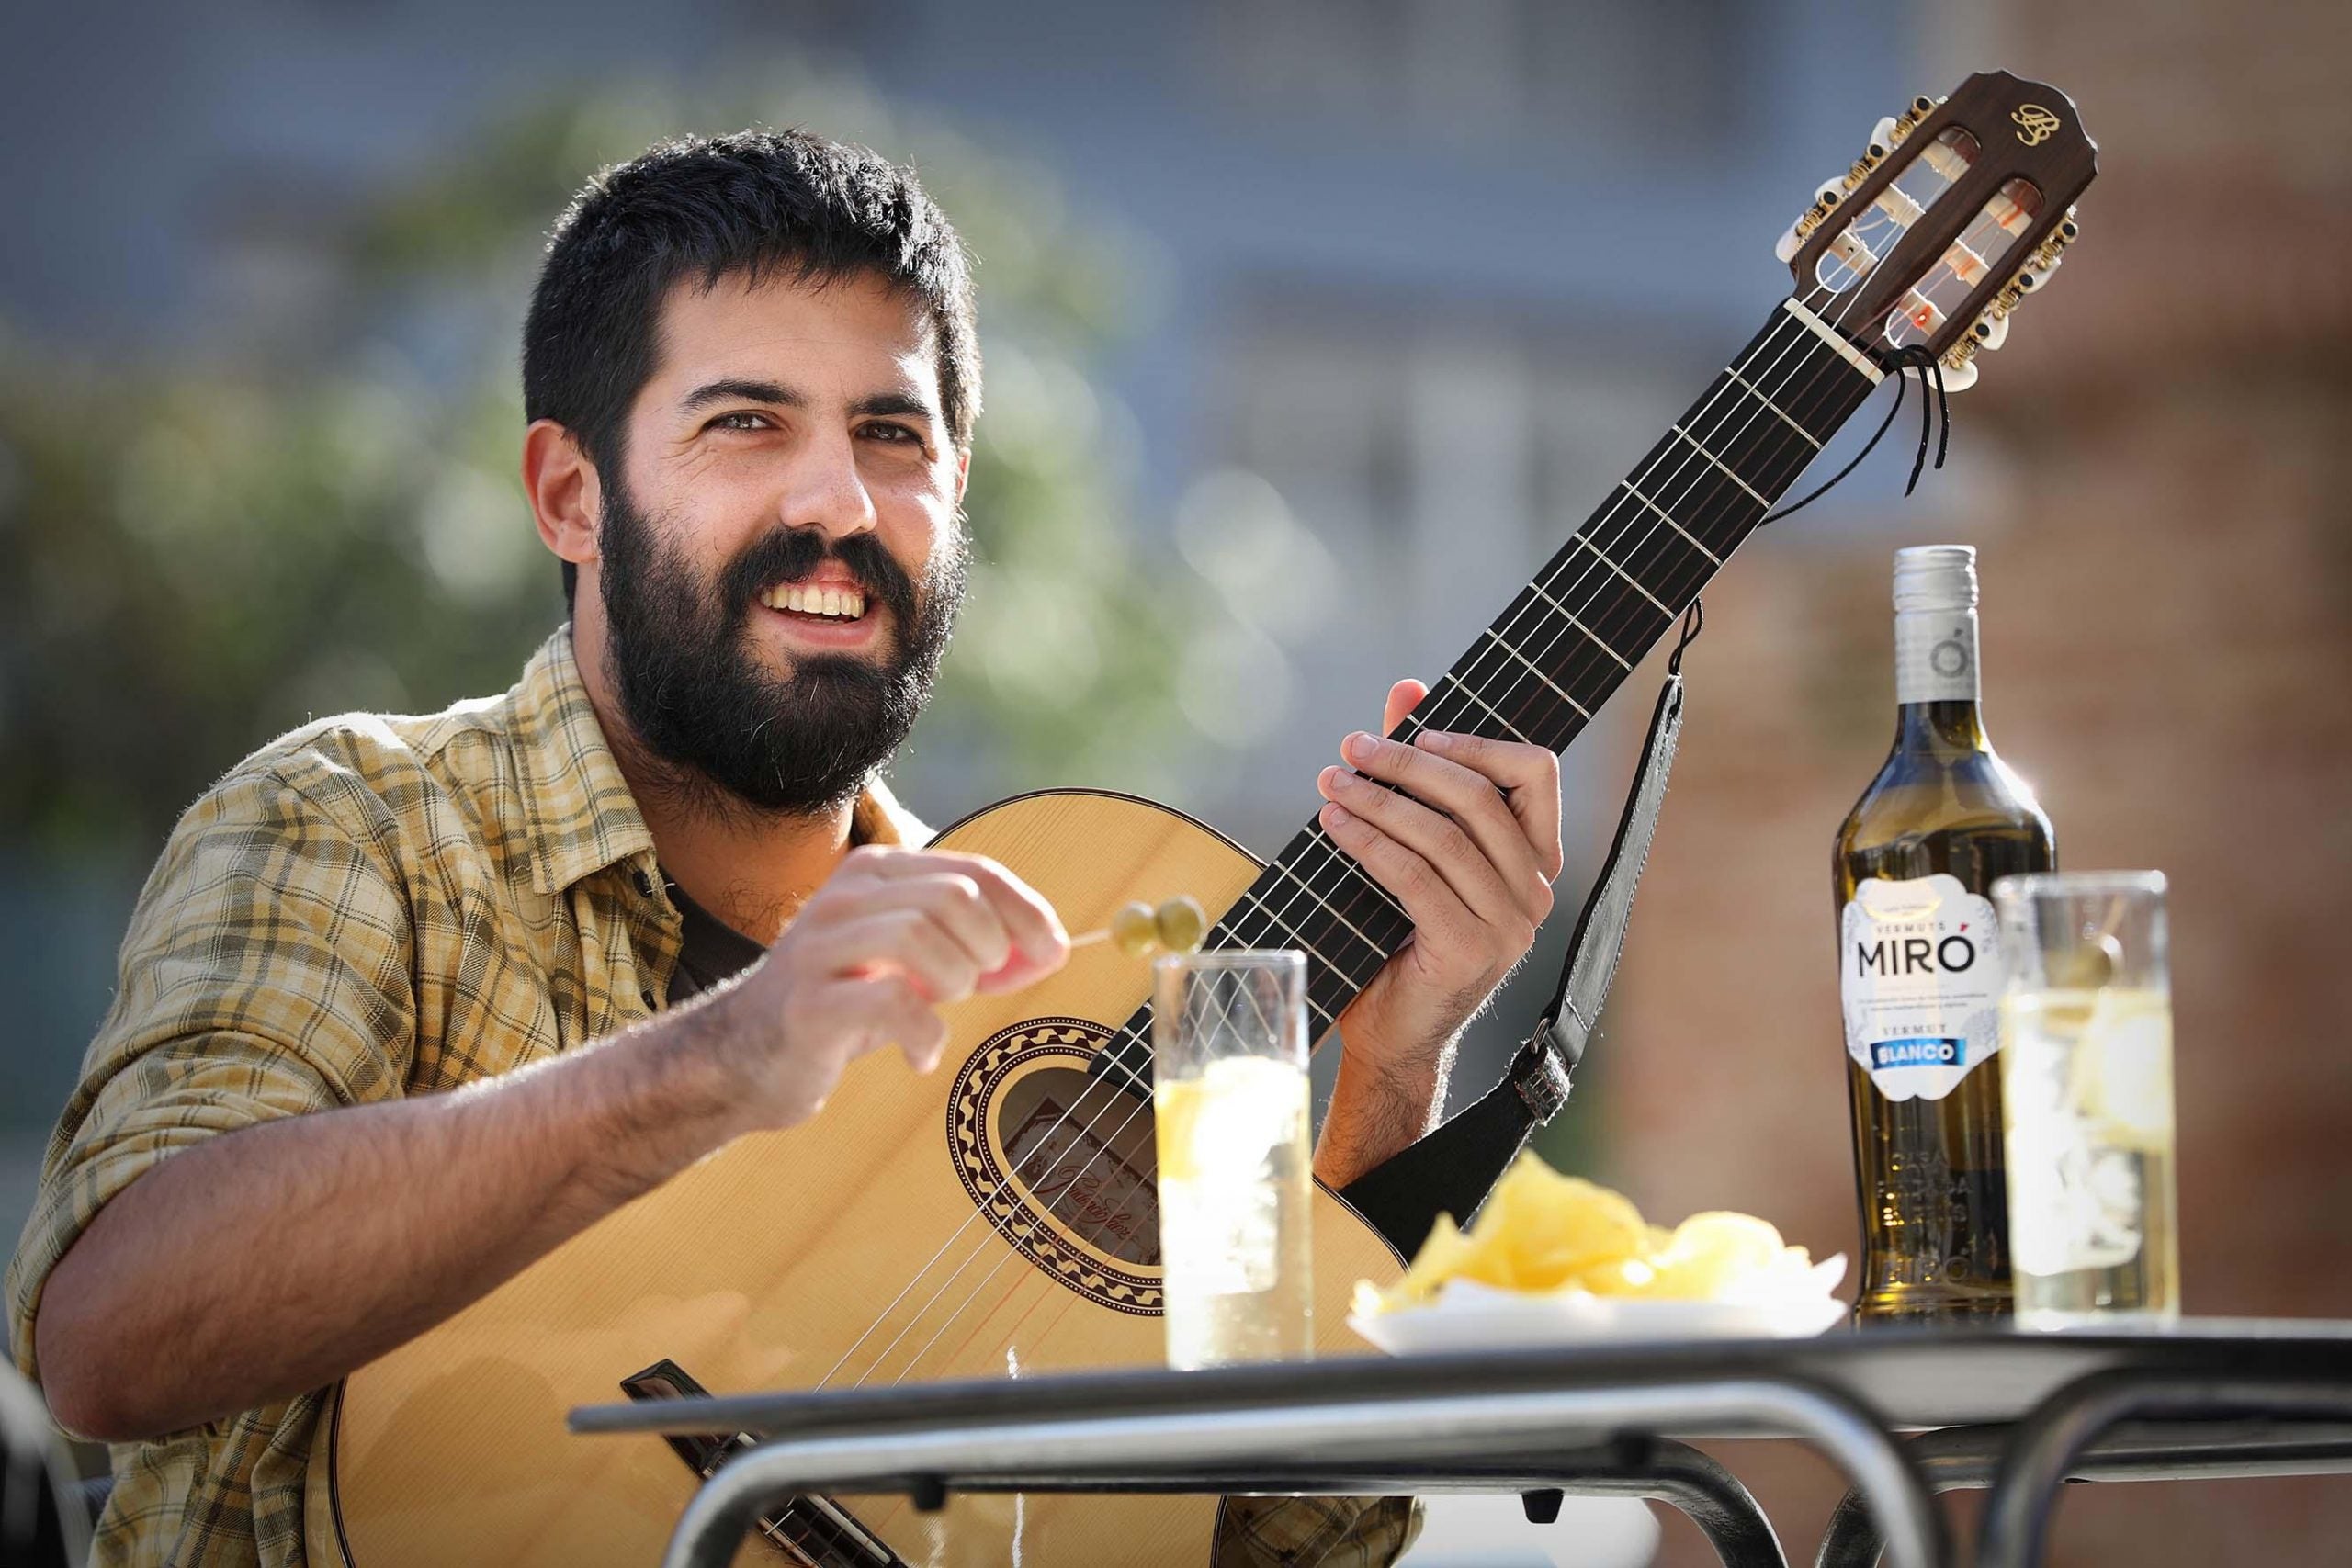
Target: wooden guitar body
[{"x": 891, "y": 1236}]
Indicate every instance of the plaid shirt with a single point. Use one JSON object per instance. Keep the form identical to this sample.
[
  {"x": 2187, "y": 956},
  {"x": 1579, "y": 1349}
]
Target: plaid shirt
[{"x": 368, "y": 907}]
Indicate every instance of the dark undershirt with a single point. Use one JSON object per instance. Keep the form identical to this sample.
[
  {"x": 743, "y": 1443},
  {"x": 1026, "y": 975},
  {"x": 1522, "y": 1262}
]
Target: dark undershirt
[{"x": 710, "y": 951}]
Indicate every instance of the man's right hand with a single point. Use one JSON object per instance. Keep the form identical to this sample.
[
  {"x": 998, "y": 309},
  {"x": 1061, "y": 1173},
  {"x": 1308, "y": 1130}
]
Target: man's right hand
[{"x": 890, "y": 937}]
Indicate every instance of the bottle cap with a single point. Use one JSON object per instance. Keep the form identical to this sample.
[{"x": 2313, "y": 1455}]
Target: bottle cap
[{"x": 1935, "y": 577}]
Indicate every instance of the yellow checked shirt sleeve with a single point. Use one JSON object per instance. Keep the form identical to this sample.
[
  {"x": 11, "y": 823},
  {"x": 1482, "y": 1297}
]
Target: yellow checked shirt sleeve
[{"x": 265, "y": 973}]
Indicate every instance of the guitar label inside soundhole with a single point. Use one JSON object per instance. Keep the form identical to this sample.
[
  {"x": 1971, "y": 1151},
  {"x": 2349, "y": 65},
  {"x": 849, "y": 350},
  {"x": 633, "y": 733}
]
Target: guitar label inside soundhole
[
  {"x": 1072, "y": 1162},
  {"x": 1060, "y": 1161}
]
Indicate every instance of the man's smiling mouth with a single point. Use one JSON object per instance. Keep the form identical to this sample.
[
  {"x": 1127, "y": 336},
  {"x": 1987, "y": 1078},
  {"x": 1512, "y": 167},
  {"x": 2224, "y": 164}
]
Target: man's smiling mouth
[{"x": 824, "y": 603}]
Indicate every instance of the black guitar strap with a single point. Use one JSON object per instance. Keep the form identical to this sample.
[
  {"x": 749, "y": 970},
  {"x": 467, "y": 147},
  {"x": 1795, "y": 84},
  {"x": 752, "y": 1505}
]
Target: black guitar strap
[{"x": 1452, "y": 1169}]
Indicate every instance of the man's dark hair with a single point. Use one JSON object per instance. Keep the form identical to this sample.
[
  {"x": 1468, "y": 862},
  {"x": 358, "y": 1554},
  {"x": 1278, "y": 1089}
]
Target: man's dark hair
[{"x": 758, "y": 203}]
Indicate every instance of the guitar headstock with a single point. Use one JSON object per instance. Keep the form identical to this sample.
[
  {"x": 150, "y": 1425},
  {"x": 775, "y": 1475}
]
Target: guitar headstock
[{"x": 1956, "y": 212}]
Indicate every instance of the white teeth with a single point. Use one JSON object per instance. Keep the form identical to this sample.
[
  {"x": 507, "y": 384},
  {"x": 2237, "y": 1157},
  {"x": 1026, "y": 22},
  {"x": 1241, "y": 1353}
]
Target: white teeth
[{"x": 845, "y": 604}]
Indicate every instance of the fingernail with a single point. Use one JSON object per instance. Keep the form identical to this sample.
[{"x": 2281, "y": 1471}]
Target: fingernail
[
  {"x": 1334, "y": 814},
  {"x": 1435, "y": 740},
  {"x": 1360, "y": 747}
]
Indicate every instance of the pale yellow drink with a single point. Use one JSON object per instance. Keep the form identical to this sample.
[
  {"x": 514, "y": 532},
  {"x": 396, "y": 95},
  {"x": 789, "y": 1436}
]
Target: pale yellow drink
[
  {"x": 1234, "y": 1170},
  {"x": 2094, "y": 1229},
  {"x": 1230, "y": 1103}
]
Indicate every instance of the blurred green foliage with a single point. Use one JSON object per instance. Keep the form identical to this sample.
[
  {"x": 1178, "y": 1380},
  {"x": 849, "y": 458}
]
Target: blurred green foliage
[{"x": 200, "y": 551}]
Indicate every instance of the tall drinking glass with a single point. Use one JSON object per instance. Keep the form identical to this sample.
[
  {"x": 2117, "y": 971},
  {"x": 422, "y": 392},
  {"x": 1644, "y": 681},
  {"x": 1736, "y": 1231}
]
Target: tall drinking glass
[
  {"x": 2086, "y": 1032},
  {"x": 1230, "y": 1098}
]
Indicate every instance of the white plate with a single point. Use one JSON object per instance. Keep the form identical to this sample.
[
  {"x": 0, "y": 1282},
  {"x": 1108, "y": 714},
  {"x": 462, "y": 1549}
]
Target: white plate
[{"x": 1471, "y": 1317}]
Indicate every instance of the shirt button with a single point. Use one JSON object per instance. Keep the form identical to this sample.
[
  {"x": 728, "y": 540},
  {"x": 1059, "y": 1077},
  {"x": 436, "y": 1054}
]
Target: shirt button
[{"x": 647, "y": 997}]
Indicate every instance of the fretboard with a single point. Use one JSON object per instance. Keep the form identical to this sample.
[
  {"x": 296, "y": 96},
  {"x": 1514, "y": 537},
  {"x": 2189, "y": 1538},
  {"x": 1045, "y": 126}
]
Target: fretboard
[{"x": 1567, "y": 641}]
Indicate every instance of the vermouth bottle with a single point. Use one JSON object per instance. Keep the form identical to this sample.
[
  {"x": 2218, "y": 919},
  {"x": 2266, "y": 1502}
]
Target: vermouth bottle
[{"x": 1920, "y": 967}]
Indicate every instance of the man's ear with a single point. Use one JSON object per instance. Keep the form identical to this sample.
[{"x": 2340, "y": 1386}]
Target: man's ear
[
  {"x": 963, "y": 472},
  {"x": 566, "y": 495}
]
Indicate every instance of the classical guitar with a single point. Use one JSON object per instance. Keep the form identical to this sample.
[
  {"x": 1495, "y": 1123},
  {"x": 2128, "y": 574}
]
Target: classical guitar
[{"x": 996, "y": 1217}]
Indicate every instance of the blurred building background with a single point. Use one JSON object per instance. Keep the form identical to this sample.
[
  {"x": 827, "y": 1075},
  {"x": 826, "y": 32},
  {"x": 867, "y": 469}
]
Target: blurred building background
[{"x": 1312, "y": 326}]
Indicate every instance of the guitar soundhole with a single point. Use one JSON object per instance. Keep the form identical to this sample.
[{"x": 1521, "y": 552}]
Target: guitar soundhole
[
  {"x": 1059, "y": 1160},
  {"x": 1084, "y": 1150}
]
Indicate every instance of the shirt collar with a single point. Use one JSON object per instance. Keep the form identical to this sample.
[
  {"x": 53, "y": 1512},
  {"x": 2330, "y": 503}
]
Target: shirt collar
[{"x": 582, "y": 816}]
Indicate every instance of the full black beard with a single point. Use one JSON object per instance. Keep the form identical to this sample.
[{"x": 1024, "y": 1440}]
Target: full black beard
[{"x": 723, "y": 728}]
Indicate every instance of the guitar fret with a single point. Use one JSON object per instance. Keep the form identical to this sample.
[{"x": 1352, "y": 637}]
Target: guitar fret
[
  {"x": 1595, "y": 638},
  {"x": 1304, "y": 941},
  {"x": 1318, "y": 838},
  {"x": 1726, "y": 468},
  {"x": 1776, "y": 408},
  {"x": 1321, "y": 965},
  {"x": 1312, "y": 892},
  {"x": 1695, "y": 544},
  {"x": 1465, "y": 689},
  {"x": 773, "y": 1530},
  {"x": 1531, "y": 664},
  {"x": 1639, "y": 587}
]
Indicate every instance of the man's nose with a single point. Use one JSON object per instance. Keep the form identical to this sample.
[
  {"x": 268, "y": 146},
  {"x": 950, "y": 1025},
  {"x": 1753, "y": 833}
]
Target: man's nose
[{"x": 827, "y": 492}]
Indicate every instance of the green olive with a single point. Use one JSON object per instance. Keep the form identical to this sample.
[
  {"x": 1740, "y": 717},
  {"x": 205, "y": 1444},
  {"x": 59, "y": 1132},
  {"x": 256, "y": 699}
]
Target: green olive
[
  {"x": 1180, "y": 925},
  {"x": 1134, "y": 931}
]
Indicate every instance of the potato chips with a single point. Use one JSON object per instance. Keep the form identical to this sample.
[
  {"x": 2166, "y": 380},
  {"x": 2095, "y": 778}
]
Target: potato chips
[{"x": 1541, "y": 1232}]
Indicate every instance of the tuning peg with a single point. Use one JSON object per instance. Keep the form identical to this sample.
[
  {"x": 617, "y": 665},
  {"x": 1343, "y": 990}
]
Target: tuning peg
[
  {"x": 1885, "y": 136},
  {"x": 1960, "y": 366},
  {"x": 2053, "y": 249},
  {"x": 1824, "y": 200},
  {"x": 1903, "y": 124},
  {"x": 1990, "y": 331}
]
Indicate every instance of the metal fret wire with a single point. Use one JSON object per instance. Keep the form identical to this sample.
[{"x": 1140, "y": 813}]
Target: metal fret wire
[{"x": 1131, "y": 1035}]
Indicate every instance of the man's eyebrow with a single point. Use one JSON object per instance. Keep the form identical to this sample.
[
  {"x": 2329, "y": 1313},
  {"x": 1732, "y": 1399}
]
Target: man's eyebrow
[
  {"x": 894, "y": 403},
  {"x": 736, "y": 390}
]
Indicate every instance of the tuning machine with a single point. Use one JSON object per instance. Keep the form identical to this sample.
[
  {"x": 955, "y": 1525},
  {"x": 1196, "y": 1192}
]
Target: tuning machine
[
  {"x": 1886, "y": 137},
  {"x": 2045, "y": 260},
  {"x": 2053, "y": 249},
  {"x": 1991, "y": 328}
]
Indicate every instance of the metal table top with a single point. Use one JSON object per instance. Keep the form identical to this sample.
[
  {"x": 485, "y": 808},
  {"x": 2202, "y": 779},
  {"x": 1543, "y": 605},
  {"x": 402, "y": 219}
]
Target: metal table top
[
  {"x": 1915, "y": 1378},
  {"x": 1510, "y": 1418}
]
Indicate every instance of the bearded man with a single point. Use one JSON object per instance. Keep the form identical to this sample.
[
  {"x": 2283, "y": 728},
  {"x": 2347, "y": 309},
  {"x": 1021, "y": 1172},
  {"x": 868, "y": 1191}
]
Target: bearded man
[{"x": 407, "y": 1002}]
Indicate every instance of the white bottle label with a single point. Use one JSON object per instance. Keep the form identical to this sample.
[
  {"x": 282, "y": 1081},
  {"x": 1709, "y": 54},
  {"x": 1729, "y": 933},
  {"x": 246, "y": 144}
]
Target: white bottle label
[
  {"x": 1921, "y": 980},
  {"x": 1935, "y": 657}
]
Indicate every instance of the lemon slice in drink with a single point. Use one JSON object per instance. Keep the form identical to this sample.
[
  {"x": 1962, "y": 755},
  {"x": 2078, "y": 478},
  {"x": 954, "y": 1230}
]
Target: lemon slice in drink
[
  {"x": 2123, "y": 1067},
  {"x": 1228, "y": 1118}
]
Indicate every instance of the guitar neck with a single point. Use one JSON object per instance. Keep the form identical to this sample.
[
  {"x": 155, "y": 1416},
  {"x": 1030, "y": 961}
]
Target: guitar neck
[{"x": 1567, "y": 641}]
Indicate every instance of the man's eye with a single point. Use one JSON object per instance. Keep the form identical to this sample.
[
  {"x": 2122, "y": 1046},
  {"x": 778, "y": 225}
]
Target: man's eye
[
  {"x": 898, "y": 433},
  {"x": 743, "y": 420}
]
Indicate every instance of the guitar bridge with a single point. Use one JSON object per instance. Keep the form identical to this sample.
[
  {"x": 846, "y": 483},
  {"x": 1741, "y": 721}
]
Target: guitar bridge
[{"x": 811, "y": 1531}]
